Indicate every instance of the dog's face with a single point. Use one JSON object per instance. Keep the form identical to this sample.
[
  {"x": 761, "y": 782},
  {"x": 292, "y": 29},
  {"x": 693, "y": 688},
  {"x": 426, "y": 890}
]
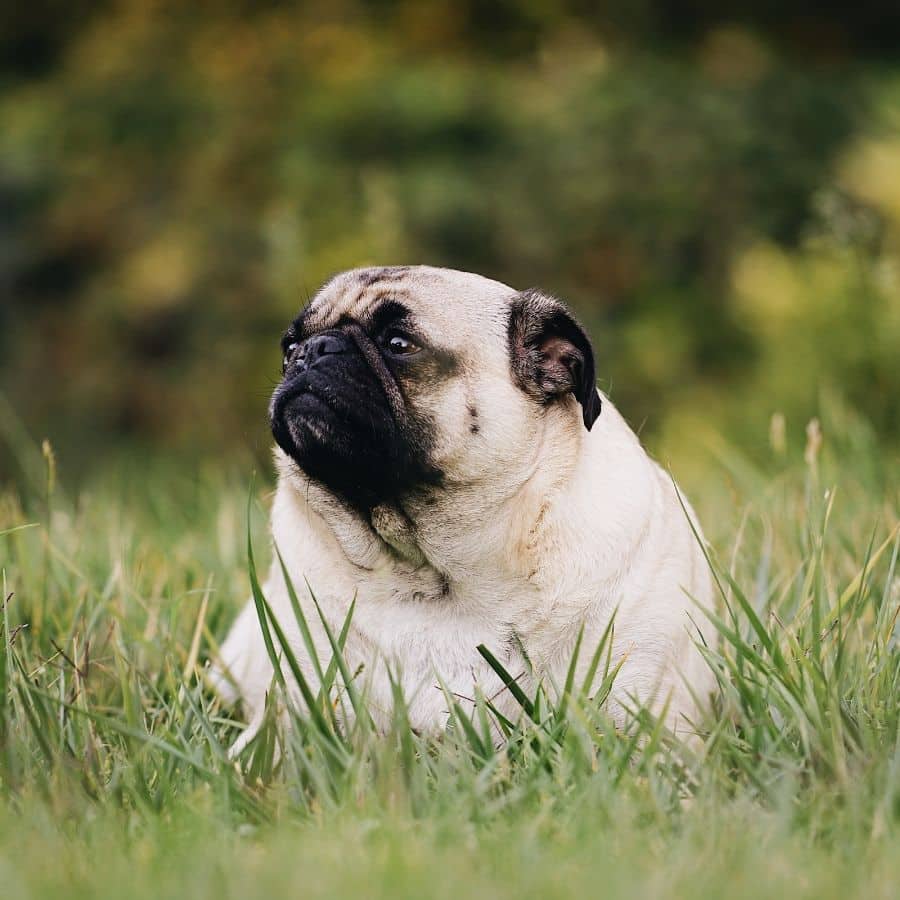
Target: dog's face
[{"x": 402, "y": 380}]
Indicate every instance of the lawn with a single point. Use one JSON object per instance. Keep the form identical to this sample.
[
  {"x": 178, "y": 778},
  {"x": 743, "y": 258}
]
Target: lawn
[{"x": 115, "y": 781}]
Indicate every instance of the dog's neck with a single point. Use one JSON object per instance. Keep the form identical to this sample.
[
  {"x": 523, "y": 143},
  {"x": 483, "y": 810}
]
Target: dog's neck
[
  {"x": 394, "y": 527},
  {"x": 492, "y": 532},
  {"x": 479, "y": 537}
]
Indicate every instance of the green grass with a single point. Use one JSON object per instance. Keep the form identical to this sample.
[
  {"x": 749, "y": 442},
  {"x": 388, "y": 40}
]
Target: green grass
[{"x": 114, "y": 779}]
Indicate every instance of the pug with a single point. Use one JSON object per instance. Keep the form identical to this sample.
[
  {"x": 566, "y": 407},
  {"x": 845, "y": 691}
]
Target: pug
[{"x": 447, "y": 465}]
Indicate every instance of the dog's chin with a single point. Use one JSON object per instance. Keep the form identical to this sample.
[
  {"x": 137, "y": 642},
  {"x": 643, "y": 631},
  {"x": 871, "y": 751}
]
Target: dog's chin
[
  {"x": 306, "y": 424},
  {"x": 309, "y": 433}
]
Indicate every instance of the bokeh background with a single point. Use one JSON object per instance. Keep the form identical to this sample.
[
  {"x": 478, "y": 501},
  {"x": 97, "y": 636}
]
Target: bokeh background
[{"x": 714, "y": 186}]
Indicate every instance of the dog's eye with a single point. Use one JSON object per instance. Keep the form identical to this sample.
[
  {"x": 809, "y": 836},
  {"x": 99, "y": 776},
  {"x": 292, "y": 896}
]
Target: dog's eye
[
  {"x": 289, "y": 352},
  {"x": 399, "y": 344}
]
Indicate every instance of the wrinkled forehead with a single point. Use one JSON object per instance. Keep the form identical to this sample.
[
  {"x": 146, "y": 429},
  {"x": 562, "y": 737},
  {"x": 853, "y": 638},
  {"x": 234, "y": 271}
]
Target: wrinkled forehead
[{"x": 442, "y": 301}]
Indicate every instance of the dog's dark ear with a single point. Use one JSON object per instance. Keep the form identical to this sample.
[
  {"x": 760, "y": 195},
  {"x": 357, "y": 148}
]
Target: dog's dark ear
[{"x": 550, "y": 353}]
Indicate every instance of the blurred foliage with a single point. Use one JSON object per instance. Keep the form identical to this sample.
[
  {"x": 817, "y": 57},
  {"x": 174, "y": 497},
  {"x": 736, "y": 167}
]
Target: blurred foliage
[{"x": 717, "y": 191}]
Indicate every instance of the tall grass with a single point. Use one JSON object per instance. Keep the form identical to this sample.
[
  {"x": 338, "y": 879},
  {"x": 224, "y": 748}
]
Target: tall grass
[{"x": 112, "y": 748}]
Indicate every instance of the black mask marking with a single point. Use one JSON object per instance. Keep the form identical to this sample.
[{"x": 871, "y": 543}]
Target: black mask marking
[{"x": 341, "y": 416}]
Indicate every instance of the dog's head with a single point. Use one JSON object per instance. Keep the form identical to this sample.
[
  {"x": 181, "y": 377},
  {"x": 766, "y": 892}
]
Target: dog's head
[{"x": 401, "y": 379}]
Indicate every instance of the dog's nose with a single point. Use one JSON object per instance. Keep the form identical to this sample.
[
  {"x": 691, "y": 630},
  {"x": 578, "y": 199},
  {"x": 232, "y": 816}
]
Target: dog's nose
[{"x": 321, "y": 345}]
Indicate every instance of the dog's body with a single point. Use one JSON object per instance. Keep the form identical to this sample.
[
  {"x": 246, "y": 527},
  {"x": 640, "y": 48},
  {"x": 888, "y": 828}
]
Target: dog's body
[{"x": 496, "y": 512}]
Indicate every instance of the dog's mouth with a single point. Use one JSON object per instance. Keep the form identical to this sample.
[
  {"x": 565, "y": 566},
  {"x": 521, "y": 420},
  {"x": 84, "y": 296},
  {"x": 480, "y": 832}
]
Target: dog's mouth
[
  {"x": 340, "y": 415},
  {"x": 326, "y": 407},
  {"x": 303, "y": 415}
]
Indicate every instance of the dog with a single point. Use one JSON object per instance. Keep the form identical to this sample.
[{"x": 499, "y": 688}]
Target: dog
[{"x": 446, "y": 463}]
